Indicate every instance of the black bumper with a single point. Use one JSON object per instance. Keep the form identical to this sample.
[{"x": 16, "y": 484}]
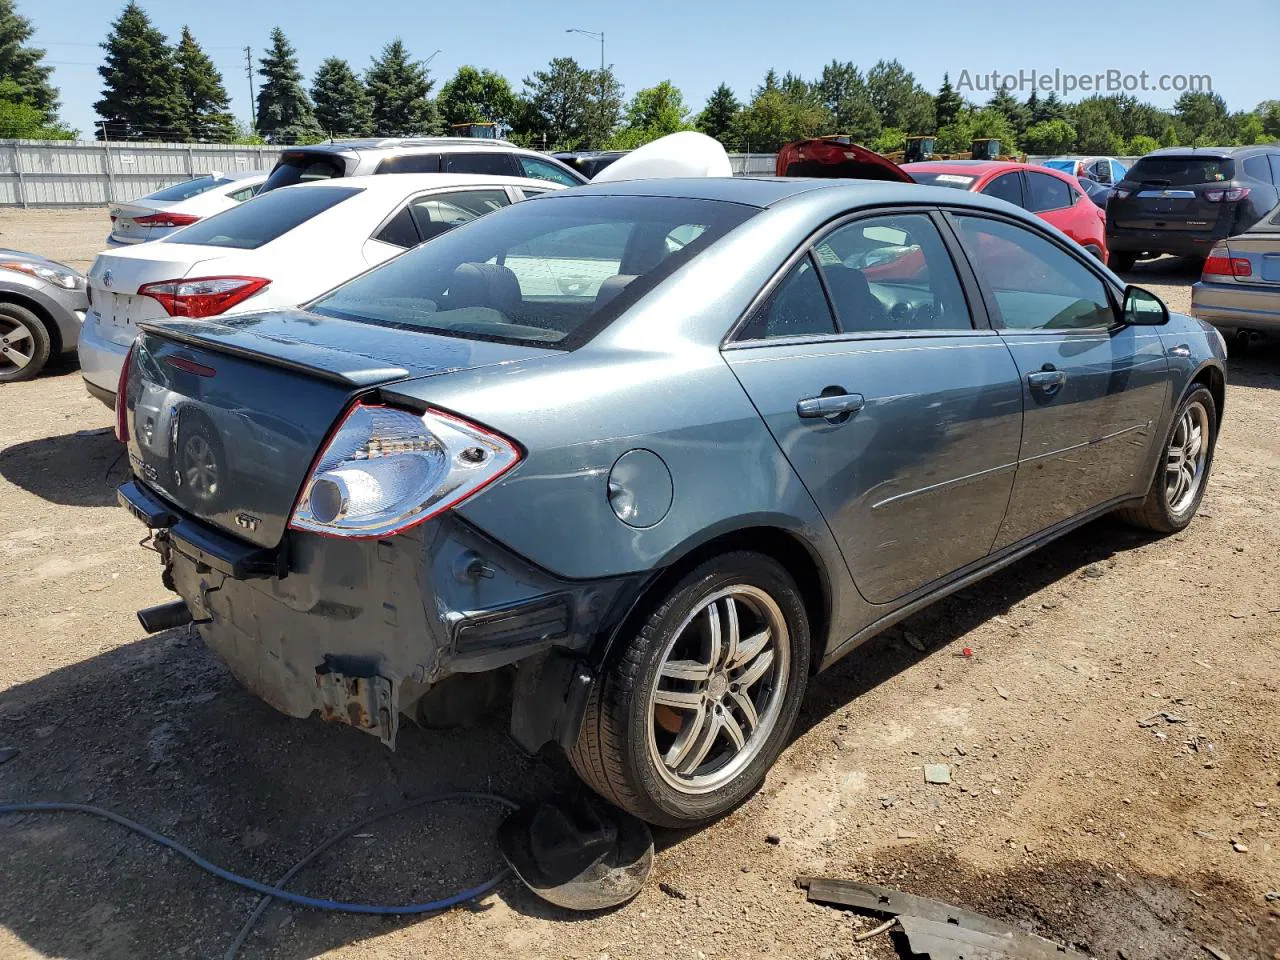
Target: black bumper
[{"x": 1178, "y": 243}]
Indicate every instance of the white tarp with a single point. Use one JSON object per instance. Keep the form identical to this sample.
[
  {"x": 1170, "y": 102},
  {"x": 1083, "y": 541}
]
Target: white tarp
[{"x": 684, "y": 154}]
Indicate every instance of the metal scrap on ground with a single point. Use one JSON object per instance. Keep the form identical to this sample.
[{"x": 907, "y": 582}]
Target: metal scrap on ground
[{"x": 935, "y": 929}]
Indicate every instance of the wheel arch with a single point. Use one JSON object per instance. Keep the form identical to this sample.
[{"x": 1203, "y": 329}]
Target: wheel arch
[
  {"x": 42, "y": 314},
  {"x": 1212, "y": 377}
]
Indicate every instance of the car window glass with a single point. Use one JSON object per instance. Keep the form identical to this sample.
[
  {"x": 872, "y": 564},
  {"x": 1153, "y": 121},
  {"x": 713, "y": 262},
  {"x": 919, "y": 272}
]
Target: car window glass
[
  {"x": 573, "y": 262},
  {"x": 796, "y": 308},
  {"x": 683, "y": 235},
  {"x": 437, "y": 212},
  {"x": 1275, "y": 168},
  {"x": 410, "y": 163},
  {"x": 264, "y": 218},
  {"x": 240, "y": 196},
  {"x": 188, "y": 189},
  {"x": 303, "y": 167},
  {"x": 892, "y": 273},
  {"x": 1036, "y": 285},
  {"x": 1257, "y": 168},
  {"x": 399, "y": 230},
  {"x": 1046, "y": 193},
  {"x": 1006, "y": 187},
  {"x": 495, "y": 163},
  {"x": 536, "y": 169}
]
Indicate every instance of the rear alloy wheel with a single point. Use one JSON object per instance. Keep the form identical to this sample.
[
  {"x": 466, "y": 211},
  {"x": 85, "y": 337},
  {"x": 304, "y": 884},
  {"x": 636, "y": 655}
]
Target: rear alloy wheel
[
  {"x": 694, "y": 708},
  {"x": 1180, "y": 481},
  {"x": 1120, "y": 262},
  {"x": 24, "y": 343}
]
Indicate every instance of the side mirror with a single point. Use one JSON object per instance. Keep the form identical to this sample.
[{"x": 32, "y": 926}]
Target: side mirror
[{"x": 1142, "y": 308}]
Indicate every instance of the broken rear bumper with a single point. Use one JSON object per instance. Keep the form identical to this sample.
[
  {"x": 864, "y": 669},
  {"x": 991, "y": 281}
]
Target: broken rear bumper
[{"x": 359, "y": 630}]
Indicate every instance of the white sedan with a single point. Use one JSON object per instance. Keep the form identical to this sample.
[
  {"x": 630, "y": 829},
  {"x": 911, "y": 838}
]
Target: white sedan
[
  {"x": 159, "y": 214},
  {"x": 280, "y": 249}
]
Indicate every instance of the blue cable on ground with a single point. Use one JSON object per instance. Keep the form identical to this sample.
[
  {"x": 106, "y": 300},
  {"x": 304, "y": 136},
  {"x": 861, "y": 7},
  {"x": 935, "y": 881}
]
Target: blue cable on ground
[{"x": 277, "y": 892}]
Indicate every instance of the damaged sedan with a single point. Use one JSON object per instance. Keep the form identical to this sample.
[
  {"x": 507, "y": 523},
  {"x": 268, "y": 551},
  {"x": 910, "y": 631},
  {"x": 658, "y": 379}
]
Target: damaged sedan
[{"x": 654, "y": 452}]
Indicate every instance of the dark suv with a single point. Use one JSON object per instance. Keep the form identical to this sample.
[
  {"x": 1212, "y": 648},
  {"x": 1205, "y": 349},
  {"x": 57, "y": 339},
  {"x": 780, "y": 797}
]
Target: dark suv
[
  {"x": 358, "y": 158},
  {"x": 1183, "y": 200}
]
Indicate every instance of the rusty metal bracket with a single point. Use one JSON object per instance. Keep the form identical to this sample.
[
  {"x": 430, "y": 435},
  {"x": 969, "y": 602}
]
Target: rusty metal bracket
[
  {"x": 366, "y": 703},
  {"x": 936, "y": 929}
]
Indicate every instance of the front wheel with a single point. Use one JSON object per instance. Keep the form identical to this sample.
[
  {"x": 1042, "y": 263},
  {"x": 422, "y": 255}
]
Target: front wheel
[
  {"x": 693, "y": 708},
  {"x": 24, "y": 343},
  {"x": 1183, "y": 473}
]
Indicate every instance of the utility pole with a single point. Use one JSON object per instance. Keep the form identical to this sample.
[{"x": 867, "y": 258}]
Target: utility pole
[
  {"x": 595, "y": 36},
  {"x": 253, "y": 105}
]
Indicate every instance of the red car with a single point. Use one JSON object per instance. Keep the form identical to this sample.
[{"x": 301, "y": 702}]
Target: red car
[{"x": 1049, "y": 194}]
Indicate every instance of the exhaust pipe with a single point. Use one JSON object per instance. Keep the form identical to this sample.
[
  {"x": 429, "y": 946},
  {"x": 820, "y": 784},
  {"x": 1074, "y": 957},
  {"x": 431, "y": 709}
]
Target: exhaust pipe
[{"x": 164, "y": 616}]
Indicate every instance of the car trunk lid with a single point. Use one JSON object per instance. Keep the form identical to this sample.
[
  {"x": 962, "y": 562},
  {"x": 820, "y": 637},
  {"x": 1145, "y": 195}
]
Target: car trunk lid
[
  {"x": 226, "y": 415},
  {"x": 837, "y": 157},
  {"x": 116, "y": 277},
  {"x": 1175, "y": 193}
]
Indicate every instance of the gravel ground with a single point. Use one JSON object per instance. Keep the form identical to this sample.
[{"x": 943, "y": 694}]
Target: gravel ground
[{"x": 1063, "y": 815}]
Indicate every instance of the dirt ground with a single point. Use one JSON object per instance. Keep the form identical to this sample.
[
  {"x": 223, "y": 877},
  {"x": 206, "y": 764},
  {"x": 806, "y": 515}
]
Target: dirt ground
[{"x": 1064, "y": 814}]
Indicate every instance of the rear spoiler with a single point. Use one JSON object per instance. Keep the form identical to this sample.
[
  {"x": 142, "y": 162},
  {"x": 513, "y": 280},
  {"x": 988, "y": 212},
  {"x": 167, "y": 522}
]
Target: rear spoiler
[{"x": 837, "y": 157}]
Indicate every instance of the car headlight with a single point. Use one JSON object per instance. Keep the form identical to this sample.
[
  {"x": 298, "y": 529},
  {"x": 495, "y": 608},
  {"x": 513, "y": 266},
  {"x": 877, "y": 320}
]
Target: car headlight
[{"x": 66, "y": 279}]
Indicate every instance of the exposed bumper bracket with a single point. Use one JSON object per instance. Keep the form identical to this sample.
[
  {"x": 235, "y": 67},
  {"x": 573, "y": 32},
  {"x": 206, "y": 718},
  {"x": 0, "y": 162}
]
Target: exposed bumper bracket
[{"x": 364, "y": 702}]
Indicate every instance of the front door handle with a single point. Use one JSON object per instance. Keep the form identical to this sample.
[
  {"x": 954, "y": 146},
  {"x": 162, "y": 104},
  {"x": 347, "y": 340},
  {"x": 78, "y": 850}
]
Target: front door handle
[
  {"x": 1048, "y": 381},
  {"x": 836, "y": 407}
]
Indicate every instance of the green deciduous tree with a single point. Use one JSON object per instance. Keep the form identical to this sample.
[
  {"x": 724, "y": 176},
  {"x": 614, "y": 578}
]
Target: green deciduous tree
[
  {"x": 24, "y": 66},
  {"x": 773, "y": 119},
  {"x": 1097, "y": 126},
  {"x": 477, "y": 96},
  {"x": 554, "y": 105},
  {"x": 1247, "y": 128},
  {"x": 400, "y": 89},
  {"x": 1269, "y": 112},
  {"x": 1049, "y": 136},
  {"x": 342, "y": 105},
  {"x": 1202, "y": 119},
  {"x": 20, "y": 119},
  {"x": 604, "y": 106},
  {"x": 285, "y": 113},
  {"x": 142, "y": 98},
  {"x": 205, "y": 113},
  {"x": 900, "y": 100},
  {"x": 1142, "y": 145},
  {"x": 717, "y": 117}
]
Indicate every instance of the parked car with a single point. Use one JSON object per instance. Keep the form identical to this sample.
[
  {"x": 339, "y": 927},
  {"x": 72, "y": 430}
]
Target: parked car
[
  {"x": 668, "y": 447},
  {"x": 42, "y": 304},
  {"x": 1183, "y": 200},
  {"x": 281, "y": 248},
  {"x": 1239, "y": 290},
  {"x": 159, "y": 214},
  {"x": 358, "y": 158},
  {"x": 589, "y": 162},
  {"x": 1099, "y": 193},
  {"x": 1050, "y": 194},
  {"x": 1107, "y": 170}
]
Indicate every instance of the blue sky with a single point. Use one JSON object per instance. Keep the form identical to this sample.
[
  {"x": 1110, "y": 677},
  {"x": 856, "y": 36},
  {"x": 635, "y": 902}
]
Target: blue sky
[{"x": 694, "y": 44}]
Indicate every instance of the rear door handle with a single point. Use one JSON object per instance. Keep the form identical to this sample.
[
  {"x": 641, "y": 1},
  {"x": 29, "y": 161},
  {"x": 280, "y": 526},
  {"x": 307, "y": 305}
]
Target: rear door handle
[
  {"x": 1047, "y": 382},
  {"x": 830, "y": 406}
]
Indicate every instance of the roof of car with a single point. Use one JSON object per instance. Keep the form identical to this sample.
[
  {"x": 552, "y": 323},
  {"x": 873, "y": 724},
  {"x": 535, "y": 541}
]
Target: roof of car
[
  {"x": 397, "y": 143},
  {"x": 1204, "y": 151},
  {"x": 404, "y": 183},
  {"x": 979, "y": 168}
]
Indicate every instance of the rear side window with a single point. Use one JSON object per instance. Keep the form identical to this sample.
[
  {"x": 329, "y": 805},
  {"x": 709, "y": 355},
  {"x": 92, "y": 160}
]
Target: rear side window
[
  {"x": 1182, "y": 171},
  {"x": 189, "y": 188},
  {"x": 1256, "y": 168},
  {"x": 400, "y": 231},
  {"x": 1005, "y": 187},
  {"x": 537, "y": 169},
  {"x": 240, "y": 196},
  {"x": 796, "y": 308},
  {"x": 437, "y": 212},
  {"x": 1046, "y": 193},
  {"x": 262, "y": 219},
  {"x": 493, "y": 163},
  {"x": 1275, "y": 168},
  {"x": 411, "y": 163},
  {"x": 303, "y": 167}
]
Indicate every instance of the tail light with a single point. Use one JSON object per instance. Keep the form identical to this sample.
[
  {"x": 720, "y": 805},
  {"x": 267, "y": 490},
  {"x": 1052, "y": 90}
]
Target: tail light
[
  {"x": 166, "y": 220},
  {"x": 384, "y": 470},
  {"x": 202, "y": 296},
  {"x": 122, "y": 418},
  {"x": 1222, "y": 265},
  {"x": 1229, "y": 195}
]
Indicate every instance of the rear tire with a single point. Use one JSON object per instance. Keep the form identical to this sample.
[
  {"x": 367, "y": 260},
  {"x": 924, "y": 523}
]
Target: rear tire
[
  {"x": 692, "y": 709},
  {"x": 1183, "y": 473},
  {"x": 24, "y": 343},
  {"x": 1120, "y": 262}
]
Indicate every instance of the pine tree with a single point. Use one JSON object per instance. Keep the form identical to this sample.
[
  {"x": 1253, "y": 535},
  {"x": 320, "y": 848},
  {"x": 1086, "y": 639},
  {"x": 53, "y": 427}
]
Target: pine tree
[
  {"x": 285, "y": 114},
  {"x": 716, "y": 118},
  {"x": 1050, "y": 108},
  {"x": 23, "y": 66},
  {"x": 205, "y": 100},
  {"x": 342, "y": 103},
  {"x": 947, "y": 104},
  {"x": 400, "y": 87},
  {"x": 142, "y": 99}
]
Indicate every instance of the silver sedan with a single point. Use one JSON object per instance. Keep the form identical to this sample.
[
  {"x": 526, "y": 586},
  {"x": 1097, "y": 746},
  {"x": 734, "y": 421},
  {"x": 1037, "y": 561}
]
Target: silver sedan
[{"x": 42, "y": 305}]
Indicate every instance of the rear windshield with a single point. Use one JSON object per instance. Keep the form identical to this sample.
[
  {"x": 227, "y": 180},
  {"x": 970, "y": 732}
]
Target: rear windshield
[
  {"x": 552, "y": 271},
  {"x": 961, "y": 181},
  {"x": 189, "y": 188},
  {"x": 1181, "y": 171},
  {"x": 303, "y": 166},
  {"x": 262, "y": 219}
]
